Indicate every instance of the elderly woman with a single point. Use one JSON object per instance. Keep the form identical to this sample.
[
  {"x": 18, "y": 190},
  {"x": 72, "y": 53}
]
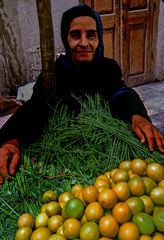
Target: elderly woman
[{"x": 82, "y": 71}]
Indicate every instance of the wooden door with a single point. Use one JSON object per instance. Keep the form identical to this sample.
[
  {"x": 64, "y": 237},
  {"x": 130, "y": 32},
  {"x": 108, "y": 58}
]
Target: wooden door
[
  {"x": 137, "y": 60},
  {"x": 129, "y": 36},
  {"x": 110, "y": 15}
]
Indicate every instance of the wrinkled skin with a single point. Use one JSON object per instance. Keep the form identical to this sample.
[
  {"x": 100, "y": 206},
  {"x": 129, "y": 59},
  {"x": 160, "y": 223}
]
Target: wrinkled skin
[
  {"x": 147, "y": 132},
  {"x": 9, "y": 159},
  {"x": 83, "y": 41}
]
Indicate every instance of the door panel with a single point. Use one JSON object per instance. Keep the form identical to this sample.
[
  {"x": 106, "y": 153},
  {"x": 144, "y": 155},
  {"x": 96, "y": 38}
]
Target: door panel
[
  {"x": 129, "y": 27},
  {"x": 139, "y": 4},
  {"x": 137, "y": 37},
  {"x": 136, "y": 59},
  {"x": 104, "y": 7},
  {"x": 109, "y": 11}
]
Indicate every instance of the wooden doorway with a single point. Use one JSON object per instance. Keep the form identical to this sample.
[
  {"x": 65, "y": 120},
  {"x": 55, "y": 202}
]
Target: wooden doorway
[{"x": 130, "y": 28}]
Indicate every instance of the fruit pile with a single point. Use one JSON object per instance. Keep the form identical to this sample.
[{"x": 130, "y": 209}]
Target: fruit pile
[{"x": 125, "y": 203}]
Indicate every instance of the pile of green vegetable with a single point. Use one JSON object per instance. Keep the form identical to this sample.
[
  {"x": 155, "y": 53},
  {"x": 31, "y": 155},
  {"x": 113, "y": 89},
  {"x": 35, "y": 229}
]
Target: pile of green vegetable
[{"x": 72, "y": 150}]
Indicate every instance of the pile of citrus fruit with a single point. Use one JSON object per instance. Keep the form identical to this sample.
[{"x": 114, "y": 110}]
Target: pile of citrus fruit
[{"x": 125, "y": 203}]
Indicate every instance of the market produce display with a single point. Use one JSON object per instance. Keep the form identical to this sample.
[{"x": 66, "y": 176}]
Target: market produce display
[
  {"x": 124, "y": 203},
  {"x": 78, "y": 164}
]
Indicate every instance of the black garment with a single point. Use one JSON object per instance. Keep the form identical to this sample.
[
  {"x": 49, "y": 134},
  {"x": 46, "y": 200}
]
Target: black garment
[{"x": 103, "y": 77}]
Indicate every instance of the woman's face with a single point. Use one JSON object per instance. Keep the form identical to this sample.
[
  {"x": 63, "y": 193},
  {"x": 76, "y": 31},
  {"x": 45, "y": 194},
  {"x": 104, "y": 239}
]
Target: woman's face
[{"x": 83, "y": 39}]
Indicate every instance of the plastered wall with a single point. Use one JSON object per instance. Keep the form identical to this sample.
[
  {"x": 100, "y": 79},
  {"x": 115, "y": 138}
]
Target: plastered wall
[{"x": 19, "y": 36}]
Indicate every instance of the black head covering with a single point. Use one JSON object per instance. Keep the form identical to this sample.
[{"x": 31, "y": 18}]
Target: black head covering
[{"x": 78, "y": 11}]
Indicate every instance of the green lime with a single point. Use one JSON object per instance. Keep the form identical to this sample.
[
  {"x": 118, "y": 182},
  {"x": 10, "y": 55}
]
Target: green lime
[
  {"x": 74, "y": 208},
  {"x": 144, "y": 222},
  {"x": 158, "y": 218}
]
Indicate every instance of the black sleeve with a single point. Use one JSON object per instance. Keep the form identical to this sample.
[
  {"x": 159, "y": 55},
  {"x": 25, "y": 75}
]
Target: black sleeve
[
  {"x": 124, "y": 101},
  {"x": 127, "y": 104},
  {"x": 28, "y": 122}
]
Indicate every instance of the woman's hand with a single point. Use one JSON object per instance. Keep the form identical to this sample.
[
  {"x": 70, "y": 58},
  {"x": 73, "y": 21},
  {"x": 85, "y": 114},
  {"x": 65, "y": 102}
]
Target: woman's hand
[
  {"x": 147, "y": 132},
  {"x": 9, "y": 159}
]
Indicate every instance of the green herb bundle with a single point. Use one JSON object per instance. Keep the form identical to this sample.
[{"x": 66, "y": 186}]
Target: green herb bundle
[{"x": 73, "y": 149}]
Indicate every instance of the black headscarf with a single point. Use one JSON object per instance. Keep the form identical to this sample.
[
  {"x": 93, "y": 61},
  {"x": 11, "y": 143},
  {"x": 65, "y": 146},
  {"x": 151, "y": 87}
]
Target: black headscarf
[{"x": 78, "y": 11}]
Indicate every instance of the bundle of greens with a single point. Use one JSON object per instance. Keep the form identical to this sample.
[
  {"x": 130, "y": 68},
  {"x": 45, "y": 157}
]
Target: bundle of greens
[{"x": 73, "y": 149}]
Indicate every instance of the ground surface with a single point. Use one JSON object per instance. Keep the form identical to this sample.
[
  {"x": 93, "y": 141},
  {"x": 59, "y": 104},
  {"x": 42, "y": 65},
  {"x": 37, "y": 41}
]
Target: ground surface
[{"x": 152, "y": 95}]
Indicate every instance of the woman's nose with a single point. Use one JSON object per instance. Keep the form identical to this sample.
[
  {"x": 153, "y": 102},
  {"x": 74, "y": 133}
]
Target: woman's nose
[{"x": 83, "y": 41}]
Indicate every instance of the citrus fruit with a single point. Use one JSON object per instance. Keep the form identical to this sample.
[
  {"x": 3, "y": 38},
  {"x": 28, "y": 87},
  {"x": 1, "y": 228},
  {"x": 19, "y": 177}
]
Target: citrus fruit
[
  {"x": 60, "y": 230},
  {"x": 41, "y": 233},
  {"x": 105, "y": 238},
  {"x": 122, "y": 212},
  {"x": 138, "y": 166},
  {"x": 148, "y": 204},
  {"x": 120, "y": 175},
  {"x": 158, "y": 218},
  {"x": 41, "y": 220},
  {"x": 49, "y": 196},
  {"x": 136, "y": 186},
  {"x": 125, "y": 165},
  {"x": 63, "y": 214},
  {"x": 83, "y": 219},
  {"x": 107, "y": 198},
  {"x": 144, "y": 222},
  {"x": 136, "y": 204},
  {"x": 26, "y": 220},
  {"x": 102, "y": 182},
  {"x": 74, "y": 208},
  {"x": 75, "y": 188},
  {"x": 89, "y": 231},
  {"x": 79, "y": 194},
  {"x": 56, "y": 237},
  {"x": 158, "y": 236},
  {"x": 23, "y": 233},
  {"x": 155, "y": 171},
  {"x": 128, "y": 231},
  {"x": 71, "y": 228},
  {"x": 53, "y": 208},
  {"x": 122, "y": 190},
  {"x": 103, "y": 176},
  {"x": 161, "y": 183},
  {"x": 108, "y": 226},
  {"x": 43, "y": 208},
  {"x": 157, "y": 195},
  {"x": 145, "y": 237},
  {"x": 131, "y": 174},
  {"x": 107, "y": 174},
  {"x": 94, "y": 211},
  {"x": 55, "y": 222},
  {"x": 90, "y": 194},
  {"x": 113, "y": 171},
  {"x": 149, "y": 184},
  {"x": 64, "y": 197}
]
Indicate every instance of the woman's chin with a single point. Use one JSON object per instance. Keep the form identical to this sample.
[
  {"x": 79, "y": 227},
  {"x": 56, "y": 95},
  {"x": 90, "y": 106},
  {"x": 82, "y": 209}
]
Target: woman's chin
[{"x": 83, "y": 59}]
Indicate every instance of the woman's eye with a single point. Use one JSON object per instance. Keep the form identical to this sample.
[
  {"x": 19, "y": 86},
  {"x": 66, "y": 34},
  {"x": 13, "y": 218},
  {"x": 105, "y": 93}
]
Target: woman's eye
[
  {"x": 75, "y": 34},
  {"x": 91, "y": 34}
]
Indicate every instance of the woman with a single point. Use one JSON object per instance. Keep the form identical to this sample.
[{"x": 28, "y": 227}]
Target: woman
[{"x": 82, "y": 71}]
